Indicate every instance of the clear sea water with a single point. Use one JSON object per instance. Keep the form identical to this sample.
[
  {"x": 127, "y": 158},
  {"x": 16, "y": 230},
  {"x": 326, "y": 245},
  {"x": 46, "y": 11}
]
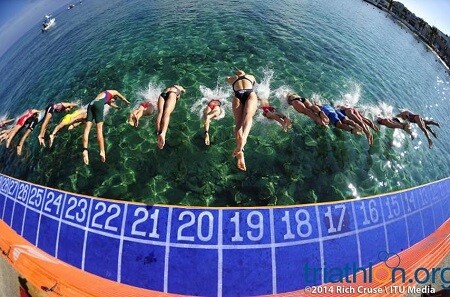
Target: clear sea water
[{"x": 332, "y": 51}]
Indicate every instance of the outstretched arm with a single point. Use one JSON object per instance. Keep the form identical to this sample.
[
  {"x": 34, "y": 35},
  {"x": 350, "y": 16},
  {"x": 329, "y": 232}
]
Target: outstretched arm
[
  {"x": 6, "y": 121},
  {"x": 122, "y": 97},
  {"x": 69, "y": 105}
]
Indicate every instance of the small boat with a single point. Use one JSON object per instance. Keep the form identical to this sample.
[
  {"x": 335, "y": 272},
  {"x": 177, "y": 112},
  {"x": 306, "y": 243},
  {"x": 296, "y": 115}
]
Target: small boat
[
  {"x": 48, "y": 23},
  {"x": 71, "y": 6}
]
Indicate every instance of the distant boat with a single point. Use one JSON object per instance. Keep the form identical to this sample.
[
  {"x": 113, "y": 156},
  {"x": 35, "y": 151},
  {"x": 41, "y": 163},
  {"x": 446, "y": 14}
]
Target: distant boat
[
  {"x": 71, "y": 6},
  {"x": 48, "y": 23}
]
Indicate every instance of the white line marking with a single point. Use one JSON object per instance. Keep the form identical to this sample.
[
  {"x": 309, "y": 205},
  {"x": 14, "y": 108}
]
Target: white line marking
[
  {"x": 25, "y": 211},
  {"x": 358, "y": 243},
  {"x": 406, "y": 217},
  {"x": 40, "y": 216},
  {"x": 220, "y": 253},
  {"x": 63, "y": 200},
  {"x": 386, "y": 239},
  {"x": 272, "y": 244},
  {"x": 166, "y": 256},
  {"x": 14, "y": 207},
  {"x": 122, "y": 233},
  {"x": 322, "y": 259},
  {"x": 88, "y": 219},
  {"x": 421, "y": 221},
  {"x": 231, "y": 246}
]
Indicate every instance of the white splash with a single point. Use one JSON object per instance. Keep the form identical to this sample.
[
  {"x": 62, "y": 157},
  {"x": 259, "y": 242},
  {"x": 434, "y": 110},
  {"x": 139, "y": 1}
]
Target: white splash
[
  {"x": 150, "y": 93},
  {"x": 263, "y": 88},
  {"x": 208, "y": 94},
  {"x": 351, "y": 97}
]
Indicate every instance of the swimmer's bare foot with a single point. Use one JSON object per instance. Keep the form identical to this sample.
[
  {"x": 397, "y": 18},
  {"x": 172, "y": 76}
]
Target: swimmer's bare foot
[
  {"x": 369, "y": 136},
  {"x": 161, "y": 140},
  {"x": 85, "y": 156},
  {"x": 103, "y": 157},
  {"x": 240, "y": 161},
  {"x": 41, "y": 141},
  {"x": 430, "y": 143},
  {"x": 19, "y": 150},
  {"x": 131, "y": 120},
  {"x": 288, "y": 123},
  {"x": 432, "y": 132},
  {"x": 207, "y": 142},
  {"x": 52, "y": 138}
]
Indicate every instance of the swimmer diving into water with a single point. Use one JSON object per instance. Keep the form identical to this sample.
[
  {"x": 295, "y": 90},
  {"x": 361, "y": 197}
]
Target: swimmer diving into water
[
  {"x": 144, "y": 109},
  {"x": 339, "y": 120},
  {"x": 421, "y": 122},
  {"x": 95, "y": 113},
  {"x": 166, "y": 104},
  {"x": 304, "y": 106},
  {"x": 30, "y": 124},
  {"x": 271, "y": 113},
  {"x": 19, "y": 124},
  {"x": 72, "y": 120},
  {"x": 395, "y": 123},
  {"x": 354, "y": 115},
  {"x": 212, "y": 110},
  {"x": 49, "y": 111},
  {"x": 244, "y": 108}
]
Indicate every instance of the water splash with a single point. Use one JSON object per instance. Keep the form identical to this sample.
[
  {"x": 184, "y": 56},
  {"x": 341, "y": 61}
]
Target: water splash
[
  {"x": 219, "y": 92},
  {"x": 263, "y": 88},
  {"x": 351, "y": 97},
  {"x": 150, "y": 93},
  {"x": 281, "y": 95}
]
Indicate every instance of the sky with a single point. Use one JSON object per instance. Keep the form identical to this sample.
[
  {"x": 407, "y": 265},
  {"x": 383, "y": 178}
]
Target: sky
[
  {"x": 18, "y": 16},
  {"x": 434, "y": 12}
]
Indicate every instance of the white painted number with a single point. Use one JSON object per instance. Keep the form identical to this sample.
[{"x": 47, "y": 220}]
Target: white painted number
[
  {"x": 51, "y": 200},
  {"x": 80, "y": 215},
  {"x": 303, "y": 223},
  {"x": 113, "y": 210},
  {"x": 329, "y": 215},
  {"x": 373, "y": 212},
  {"x": 302, "y": 218},
  {"x": 257, "y": 226},
  {"x": 237, "y": 236},
  {"x": 36, "y": 197},
  {"x": 154, "y": 217},
  {"x": 23, "y": 192},
  {"x": 12, "y": 187},
  {"x": 255, "y": 221},
  {"x": 191, "y": 221},
  {"x": 210, "y": 221},
  {"x": 393, "y": 207},
  {"x": 286, "y": 218}
]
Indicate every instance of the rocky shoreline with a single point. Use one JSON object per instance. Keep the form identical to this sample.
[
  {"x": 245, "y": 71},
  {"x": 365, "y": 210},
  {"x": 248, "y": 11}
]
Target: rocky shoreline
[{"x": 435, "y": 40}]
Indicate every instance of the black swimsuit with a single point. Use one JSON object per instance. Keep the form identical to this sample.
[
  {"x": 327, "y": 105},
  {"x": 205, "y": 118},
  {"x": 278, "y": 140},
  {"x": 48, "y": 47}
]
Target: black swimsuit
[
  {"x": 243, "y": 94},
  {"x": 166, "y": 94},
  {"x": 302, "y": 99}
]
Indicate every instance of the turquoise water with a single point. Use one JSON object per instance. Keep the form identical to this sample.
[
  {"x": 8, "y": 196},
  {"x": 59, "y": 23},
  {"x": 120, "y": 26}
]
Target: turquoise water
[{"x": 328, "y": 50}]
